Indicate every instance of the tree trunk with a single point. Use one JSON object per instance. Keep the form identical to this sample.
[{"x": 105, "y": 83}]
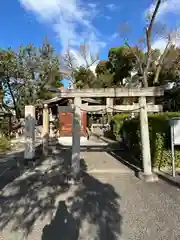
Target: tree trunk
[
  {"x": 13, "y": 99},
  {"x": 156, "y": 78}
]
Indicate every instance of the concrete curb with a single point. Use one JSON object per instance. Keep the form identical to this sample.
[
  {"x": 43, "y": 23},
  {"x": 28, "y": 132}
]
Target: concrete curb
[
  {"x": 138, "y": 172},
  {"x": 167, "y": 177},
  {"x": 107, "y": 140},
  {"x": 111, "y": 171}
]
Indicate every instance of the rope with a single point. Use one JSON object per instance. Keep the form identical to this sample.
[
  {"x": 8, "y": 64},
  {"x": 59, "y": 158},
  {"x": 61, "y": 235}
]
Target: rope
[{"x": 106, "y": 108}]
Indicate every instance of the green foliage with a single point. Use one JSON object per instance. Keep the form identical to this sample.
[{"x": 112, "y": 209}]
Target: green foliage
[
  {"x": 101, "y": 67},
  {"x": 171, "y": 100},
  {"x": 118, "y": 120},
  {"x": 5, "y": 144},
  {"x": 124, "y": 59},
  {"x": 121, "y": 61},
  {"x": 171, "y": 67},
  {"x": 131, "y": 135},
  {"x": 4, "y": 126},
  {"x": 25, "y": 74},
  {"x": 159, "y": 132},
  {"x": 116, "y": 123},
  {"x": 84, "y": 78}
]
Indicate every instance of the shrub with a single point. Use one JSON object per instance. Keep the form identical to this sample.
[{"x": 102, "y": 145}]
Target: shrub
[
  {"x": 159, "y": 132},
  {"x": 118, "y": 120},
  {"x": 131, "y": 136},
  {"x": 116, "y": 123},
  {"x": 4, "y": 126},
  {"x": 5, "y": 144}
]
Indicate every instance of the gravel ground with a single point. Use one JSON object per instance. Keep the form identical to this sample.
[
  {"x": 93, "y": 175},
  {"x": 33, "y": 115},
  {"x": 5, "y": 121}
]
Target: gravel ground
[
  {"x": 149, "y": 210},
  {"x": 39, "y": 205}
]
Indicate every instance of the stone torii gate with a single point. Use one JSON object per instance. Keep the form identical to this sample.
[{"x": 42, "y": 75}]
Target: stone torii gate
[{"x": 109, "y": 94}]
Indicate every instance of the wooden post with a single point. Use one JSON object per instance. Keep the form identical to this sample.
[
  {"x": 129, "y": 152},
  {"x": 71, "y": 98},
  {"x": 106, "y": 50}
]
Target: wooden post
[
  {"x": 45, "y": 129},
  {"x": 145, "y": 142},
  {"x": 76, "y": 131},
  {"x": 30, "y": 121}
]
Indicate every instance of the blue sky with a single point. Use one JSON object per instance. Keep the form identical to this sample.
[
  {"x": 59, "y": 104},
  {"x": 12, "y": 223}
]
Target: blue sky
[{"x": 71, "y": 22}]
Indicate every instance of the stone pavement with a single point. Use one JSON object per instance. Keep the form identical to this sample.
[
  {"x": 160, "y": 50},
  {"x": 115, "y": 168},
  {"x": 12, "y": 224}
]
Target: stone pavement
[
  {"x": 97, "y": 156},
  {"x": 103, "y": 163},
  {"x": 41, "y": 205}
]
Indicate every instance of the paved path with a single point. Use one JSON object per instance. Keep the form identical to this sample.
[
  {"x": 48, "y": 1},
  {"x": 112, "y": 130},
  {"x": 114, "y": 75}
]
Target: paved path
[
  {"x": 40, "y": 205},
  {"x": 98, "y": 157},
  {"x": 103, "y": 163}
]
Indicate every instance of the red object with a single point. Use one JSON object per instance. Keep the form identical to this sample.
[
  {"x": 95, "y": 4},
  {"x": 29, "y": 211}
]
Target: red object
[{"x": 66, "y": 123}]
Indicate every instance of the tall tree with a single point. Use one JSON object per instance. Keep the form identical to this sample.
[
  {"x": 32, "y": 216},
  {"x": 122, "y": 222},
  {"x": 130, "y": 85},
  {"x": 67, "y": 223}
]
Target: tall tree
[
  {"x": 79, "y": 62},
  {"x": 25, "y": 74},
  {"x": 9, "y": 75},
  {"x": 84, "y": 78},
  {"x": 144, "y": 65},
  {"x": 171, "y": 67},
  {"x": 121, "y": 62}
]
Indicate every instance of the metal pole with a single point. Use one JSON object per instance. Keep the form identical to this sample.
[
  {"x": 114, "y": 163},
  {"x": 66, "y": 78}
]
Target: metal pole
[{"x": 172, "y": 151}]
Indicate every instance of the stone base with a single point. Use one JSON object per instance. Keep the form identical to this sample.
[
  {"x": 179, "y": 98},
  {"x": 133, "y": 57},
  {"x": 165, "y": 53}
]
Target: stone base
[{"x": 148, "y": 178}]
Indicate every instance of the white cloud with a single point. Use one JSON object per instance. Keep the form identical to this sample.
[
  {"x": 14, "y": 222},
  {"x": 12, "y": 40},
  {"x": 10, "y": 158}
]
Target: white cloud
[
  {"x": 111, "y": 6},
  {"x": 161, "y": 43},
  {"x": 115, "y": 35},
  {"x": 92, "y": 5},
  {"x": 169, "y": 6},
  {"x": 71, "y": 20},
  {"x": 78, "y": 60},
  {"x": 108, "y": 17}
]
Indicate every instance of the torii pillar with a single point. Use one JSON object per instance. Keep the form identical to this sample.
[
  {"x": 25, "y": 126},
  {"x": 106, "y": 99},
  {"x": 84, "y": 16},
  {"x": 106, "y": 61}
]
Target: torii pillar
[
  {"x": 76, "y": 135},
  {"x": 148, "y": 175}
]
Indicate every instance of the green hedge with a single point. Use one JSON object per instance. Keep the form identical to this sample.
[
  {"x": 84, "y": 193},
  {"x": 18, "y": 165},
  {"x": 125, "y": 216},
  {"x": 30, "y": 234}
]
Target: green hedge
[
  {"x": 159, "y": 132},
  {"x": 118, "y": 121}
]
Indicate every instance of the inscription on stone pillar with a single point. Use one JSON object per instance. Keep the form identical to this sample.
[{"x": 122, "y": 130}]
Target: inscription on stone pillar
[{"x": 30, "y": 123}]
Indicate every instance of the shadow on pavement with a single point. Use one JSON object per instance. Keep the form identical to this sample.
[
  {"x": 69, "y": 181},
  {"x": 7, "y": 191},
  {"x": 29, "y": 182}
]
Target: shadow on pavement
[
  {"x": 12, "y": 165},
  {"x": 33, "y": 194},
  {"x": 117, "y": 150},
  {"x": 121, "y": 153},
  {"x": 91, "y": 213}
]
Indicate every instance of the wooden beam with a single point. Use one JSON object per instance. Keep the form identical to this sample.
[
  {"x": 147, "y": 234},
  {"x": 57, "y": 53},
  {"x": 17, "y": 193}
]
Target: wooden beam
[{"x": 110, "y": 92}]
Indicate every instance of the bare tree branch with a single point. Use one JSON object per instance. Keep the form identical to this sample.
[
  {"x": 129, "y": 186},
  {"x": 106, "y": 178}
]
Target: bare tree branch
[
  {"x": 162, "y": 58},
  {"x": 137, "y": 57},
  {"x": 88, "y": 58},
  {"x": 69, "y": 59},
  {"x": 148, "y": 42},
  {"x": 149, "y": 29}
]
